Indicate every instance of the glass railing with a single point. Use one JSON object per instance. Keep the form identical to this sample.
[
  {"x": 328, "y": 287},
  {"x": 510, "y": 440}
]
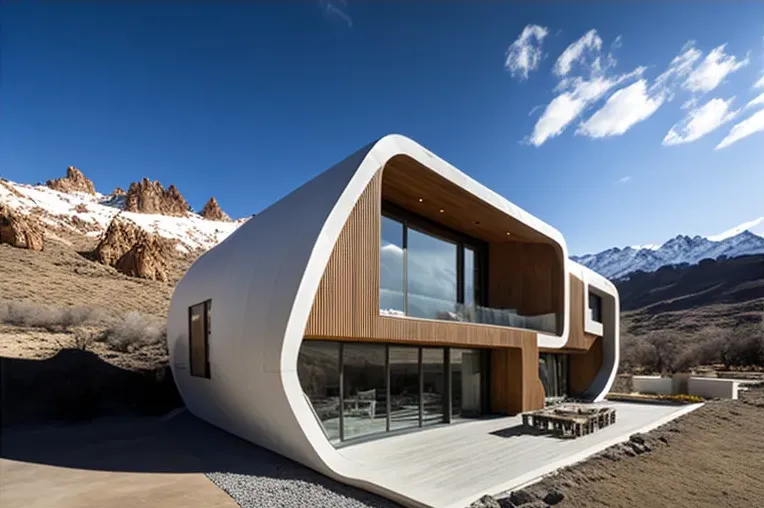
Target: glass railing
[{"x": 435, "y": 308}]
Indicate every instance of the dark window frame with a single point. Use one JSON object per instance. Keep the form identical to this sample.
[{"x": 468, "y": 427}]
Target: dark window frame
[{"x": 206, "y": 326}]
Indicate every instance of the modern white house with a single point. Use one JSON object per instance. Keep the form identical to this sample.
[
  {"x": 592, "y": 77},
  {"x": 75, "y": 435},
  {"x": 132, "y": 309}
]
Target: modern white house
[{"x": 390, "y": 294}]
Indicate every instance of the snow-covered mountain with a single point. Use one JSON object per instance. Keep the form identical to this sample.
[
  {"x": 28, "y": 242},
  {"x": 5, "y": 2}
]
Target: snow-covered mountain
[
  {"x": 615, "y": 263},
  {"x": 81, "y": 212}
]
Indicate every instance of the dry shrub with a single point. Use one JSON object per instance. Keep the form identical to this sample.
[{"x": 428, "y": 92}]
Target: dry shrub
[
  {"x": 134, "y": 330},
  {"x": 51, "y": 318}
]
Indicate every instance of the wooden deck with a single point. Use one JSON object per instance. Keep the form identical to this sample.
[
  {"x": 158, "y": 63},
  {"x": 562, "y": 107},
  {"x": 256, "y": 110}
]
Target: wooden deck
[{"x": 453, "y": 465}]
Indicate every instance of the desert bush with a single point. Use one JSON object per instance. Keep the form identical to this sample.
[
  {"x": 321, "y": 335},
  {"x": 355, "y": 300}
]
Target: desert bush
[
  {"x": 83, "y": 339},
  {"x": 45, "y": 316},
  {"x": 135, "y": 329}
]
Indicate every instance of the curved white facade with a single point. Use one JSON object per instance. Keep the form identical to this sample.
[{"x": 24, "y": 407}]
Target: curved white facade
[{"x": 262, "y": 281}]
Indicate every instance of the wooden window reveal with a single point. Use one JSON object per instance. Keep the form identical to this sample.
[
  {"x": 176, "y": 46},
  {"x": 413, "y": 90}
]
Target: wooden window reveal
[{"x": 199, "y": 321}]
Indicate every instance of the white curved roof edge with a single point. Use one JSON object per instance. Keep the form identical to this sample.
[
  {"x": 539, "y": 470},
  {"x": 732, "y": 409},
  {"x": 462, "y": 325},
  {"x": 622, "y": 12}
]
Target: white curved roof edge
[{"x": 591, "y": 277}]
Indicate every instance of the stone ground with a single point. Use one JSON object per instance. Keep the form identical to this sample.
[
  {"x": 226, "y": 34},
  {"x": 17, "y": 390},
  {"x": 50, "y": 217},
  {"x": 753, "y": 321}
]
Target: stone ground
[{"x": 712, "y": 457}]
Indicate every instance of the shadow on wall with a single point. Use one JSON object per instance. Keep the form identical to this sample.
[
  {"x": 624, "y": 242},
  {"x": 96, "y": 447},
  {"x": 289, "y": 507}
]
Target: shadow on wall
[{"x": 76, "y": 385}]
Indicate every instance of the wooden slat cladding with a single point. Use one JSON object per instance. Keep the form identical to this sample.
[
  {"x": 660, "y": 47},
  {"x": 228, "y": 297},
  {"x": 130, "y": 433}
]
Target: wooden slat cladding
[
  {"x": 526, "y": 277},
  {"x": 578, "y": 339},
  {"x": 584, "y": 367},
  {"x": 346, "y": 306}
]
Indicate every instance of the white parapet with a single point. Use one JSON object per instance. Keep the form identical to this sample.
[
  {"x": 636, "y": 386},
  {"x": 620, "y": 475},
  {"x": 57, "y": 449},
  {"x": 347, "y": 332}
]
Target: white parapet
[
  {"x": 652, "y": 384},
  {"x": 713, "y": 388}
]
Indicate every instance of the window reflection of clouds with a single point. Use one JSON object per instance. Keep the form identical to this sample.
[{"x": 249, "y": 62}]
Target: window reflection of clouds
[{"x": 431, "y": 283}]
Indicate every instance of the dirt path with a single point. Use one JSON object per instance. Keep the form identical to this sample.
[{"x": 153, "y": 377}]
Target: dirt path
[{"x": 713, "y": 457}]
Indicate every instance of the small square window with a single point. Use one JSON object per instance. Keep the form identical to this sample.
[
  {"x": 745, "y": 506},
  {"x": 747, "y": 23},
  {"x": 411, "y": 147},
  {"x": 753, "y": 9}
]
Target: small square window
[
  {"x": 198, "y": 338},
  {"x": 595, "y": 306}
]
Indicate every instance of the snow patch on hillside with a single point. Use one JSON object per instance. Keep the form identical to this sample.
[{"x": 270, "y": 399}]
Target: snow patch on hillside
[{"x": 57, "y": 209}]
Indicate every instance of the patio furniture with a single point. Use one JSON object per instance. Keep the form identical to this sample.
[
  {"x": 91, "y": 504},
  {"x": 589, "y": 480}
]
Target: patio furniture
[
  {"x": 570, "y": 420},
  {"x": 363, "y": 403}
]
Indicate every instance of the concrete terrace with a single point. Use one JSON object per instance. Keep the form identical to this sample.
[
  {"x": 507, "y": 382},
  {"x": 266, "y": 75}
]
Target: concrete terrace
[{"x": 452, "y": 466}]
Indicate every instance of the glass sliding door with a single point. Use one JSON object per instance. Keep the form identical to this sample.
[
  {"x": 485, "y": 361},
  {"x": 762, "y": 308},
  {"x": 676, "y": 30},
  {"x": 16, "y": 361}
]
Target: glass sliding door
[
  {"x": 466, "y": 383},
  {"x": 433, "y": 385},
  {"x": 364, "y": 389},
  {"x": 318, "y": 368},
  {"x": 431, "y": 282},
  {"x": 404, "y": 387},
  {"x": 391, "y": 274},
  {"x": 553, "y": 372}
]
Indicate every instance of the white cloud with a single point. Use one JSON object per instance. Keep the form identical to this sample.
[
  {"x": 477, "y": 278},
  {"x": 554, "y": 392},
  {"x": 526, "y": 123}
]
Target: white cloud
[
  {"x": 524, "y": 54},
  {"x": 587, "y": 47},
  {"x": 759, "y": 83},
  {"x": 622, "y": 110},
  {"x": 751, "y": 125},
  {"x": 624, "y": 179},
  {"x": 711, "y": 72},
  {"x": 568, "y": 105},
  {"x": 758, "y": 101},
  {"x": 638, "y": 101},
  {"x": 701, "y": 121}
]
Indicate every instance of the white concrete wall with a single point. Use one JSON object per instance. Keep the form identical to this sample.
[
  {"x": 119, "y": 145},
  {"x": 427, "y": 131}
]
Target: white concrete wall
[
  {"x": 713, "y": 388},
  {"x": 652, "y": 384}
]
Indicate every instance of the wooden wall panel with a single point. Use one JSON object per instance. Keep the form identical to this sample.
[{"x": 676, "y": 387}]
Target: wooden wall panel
[
  {"x": 584, "y": 367},
  {"x": 526, "y": 277}
]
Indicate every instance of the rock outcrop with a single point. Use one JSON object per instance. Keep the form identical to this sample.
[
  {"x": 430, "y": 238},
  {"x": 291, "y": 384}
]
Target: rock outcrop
[
  {"x": 19, "y": 230},
  {"x": 212, "y": 211},
  {"x": 133, "y": 251},
  {"x": 151, "y": 197},
  {"x": 74, "y": 181},
  {"x": 118, "y": 191}
]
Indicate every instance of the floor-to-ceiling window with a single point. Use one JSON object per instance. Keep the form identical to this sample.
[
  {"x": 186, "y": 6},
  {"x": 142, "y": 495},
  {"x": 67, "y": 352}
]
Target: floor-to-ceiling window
[
  {"x": 318, "y": 367},
  {"x": 365, "y": 389},
  {"x": 404, "y": 387},
  {"x": 364, "y": 376},
  {"x": 553, "y": 372},
  {"x": 427, "y": 271},
  {"x": 466, "y": 382},
  {"x": 433, "y": 385}
]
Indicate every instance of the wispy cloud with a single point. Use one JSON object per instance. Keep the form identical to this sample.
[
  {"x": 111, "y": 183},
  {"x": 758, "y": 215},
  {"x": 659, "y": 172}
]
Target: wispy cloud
[
  {"x": 759, "y": 83},
  {"x": 751, "y": 125},
  {"x": 591, "y": 82},
  {"x": 701, "y": 121},
  {"x": 623, "y": 180},
  {"x": 758, "y": 101},
  {"x": 337, "y": 9},
  {"x": 585, "y": 50},
  {"x": 638, "y": 101},
  {"x": 524, "y": 55},
  {"x": 711, "y": 72},
  {"x": 622, "y": 110}
]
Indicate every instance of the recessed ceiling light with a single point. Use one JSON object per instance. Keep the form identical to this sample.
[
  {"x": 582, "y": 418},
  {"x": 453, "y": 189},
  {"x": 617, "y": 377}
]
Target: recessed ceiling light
[
  {"x": 508, "y": 233},
  {"x": 442, "y": 210},
  {"x": 420, "y": 200}
]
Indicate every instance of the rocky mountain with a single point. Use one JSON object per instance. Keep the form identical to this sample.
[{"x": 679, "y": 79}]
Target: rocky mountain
[
  {"x": 71, "y": 205},
  {"x": 212, "y": 211},
  {"x": 618, "y": 263}
]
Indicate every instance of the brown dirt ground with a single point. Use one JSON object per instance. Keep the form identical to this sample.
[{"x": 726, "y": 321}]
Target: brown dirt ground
[{"x": 712, "y": 457}]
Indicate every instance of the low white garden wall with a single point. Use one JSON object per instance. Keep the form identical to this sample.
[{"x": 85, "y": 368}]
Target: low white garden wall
[
  {"x": 712, "y": 388},
  {"x": 652, "y": 384}
]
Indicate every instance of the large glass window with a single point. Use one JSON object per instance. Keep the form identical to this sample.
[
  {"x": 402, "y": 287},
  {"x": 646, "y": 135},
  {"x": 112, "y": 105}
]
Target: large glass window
[
  {"x": 404, "y": 387},
  {"x": 318, "y": 368},
  {"x": 431, "y": 276},
  {"x": 364, "y": 389},
  {"x": 391, "y": 297},
  {"x": 466, "y": 392},
  {"x": 553, "y": 372},
  {"x": 433, "y": 385}
]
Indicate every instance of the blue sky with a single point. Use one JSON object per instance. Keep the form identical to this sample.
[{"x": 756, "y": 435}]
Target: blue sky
[{"x": 246, "y": 101}]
